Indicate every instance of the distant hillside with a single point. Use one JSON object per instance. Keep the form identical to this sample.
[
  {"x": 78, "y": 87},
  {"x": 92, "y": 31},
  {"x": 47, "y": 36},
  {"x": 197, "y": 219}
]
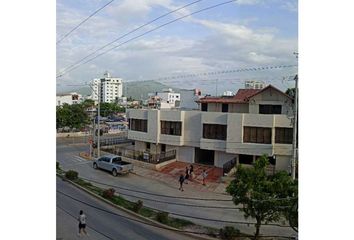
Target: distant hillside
[{"x": 136, "y": 90}]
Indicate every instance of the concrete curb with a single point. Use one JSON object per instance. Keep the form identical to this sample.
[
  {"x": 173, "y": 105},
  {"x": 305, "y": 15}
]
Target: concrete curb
[{"x": 137, "y": 215}]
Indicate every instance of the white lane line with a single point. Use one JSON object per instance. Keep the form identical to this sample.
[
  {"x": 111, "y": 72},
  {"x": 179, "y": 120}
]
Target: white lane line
[{"x": 77, "y": 158}]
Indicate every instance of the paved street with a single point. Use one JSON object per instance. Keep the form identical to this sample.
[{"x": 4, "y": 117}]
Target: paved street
[
  {"x": 68, "y": 157},
  {"x": 101, "y": 225}
]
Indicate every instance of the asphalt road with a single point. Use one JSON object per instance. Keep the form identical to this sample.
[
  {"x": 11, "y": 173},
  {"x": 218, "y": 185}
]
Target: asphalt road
[
  {"x": 68, "y": 157},
  {"x": 100, "y": 224}
]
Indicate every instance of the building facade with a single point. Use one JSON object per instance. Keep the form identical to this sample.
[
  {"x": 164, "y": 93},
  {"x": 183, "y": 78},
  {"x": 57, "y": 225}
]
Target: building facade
[
  {"x": 110, "y": 88},
  {"x": 238, "y": 128},
  {"x": 68, "y": 98},
  {"x": 253, "y": 84},
  {"x": 166, "y": 99}
]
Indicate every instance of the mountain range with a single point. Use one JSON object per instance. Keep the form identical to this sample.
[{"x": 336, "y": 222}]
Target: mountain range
[{"x": 137, "y": 90}]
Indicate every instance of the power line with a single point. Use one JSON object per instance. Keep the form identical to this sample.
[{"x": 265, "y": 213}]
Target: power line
[
  {"x": 101, "y": 209},
  {"x": 134, "y": 30},
  {"x": 94, "y": 229},
  {"x": 154, "y": 29},
  {"x": 155, "y": 194},
  {"x": 82, "y": 22},
  {"x": 129, "y": 218},
  {"x": 178, "y": 197}
]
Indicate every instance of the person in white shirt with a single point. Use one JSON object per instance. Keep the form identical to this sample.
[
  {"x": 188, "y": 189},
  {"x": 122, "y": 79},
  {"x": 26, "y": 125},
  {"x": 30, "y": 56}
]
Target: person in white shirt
[{"x": 82, "y": 223}]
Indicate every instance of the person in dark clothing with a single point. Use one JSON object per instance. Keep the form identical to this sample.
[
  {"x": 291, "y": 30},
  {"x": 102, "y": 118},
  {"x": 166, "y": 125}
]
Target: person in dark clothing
[
  {"x": 191, "y": 173},
  {"x": 187, "y": 175},
  {"x": 181, "y": 180}
]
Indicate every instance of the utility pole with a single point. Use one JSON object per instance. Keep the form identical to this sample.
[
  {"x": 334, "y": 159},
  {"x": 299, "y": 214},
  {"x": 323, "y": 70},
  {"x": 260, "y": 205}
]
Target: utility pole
[
  {"x": 293, "y": 162},
  {"x": 98, "y": 120}
]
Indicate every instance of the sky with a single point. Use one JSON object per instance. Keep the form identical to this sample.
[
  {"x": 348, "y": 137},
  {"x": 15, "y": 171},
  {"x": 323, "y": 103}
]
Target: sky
[{"x": 241, "y": 34}]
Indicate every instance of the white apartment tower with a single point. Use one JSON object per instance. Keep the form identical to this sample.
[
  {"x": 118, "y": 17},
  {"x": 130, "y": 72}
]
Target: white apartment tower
[
  {"x": 253, "y": 84},
  {"x": 110, "y": 88}
]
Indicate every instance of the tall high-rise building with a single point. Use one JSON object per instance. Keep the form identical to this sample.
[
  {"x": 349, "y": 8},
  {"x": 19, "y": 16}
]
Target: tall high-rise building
[{"x": 110, "y": 88}]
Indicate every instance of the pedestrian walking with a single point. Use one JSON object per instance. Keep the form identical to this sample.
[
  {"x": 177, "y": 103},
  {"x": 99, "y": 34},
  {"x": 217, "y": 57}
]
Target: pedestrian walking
[
  {"x": 181, "y": 180},
  {"x": 191, "y": 171},
  {"x": 204, "y": 175},
  {"x": 186, "y": 177},
  {"x": 82, "y": 223}
]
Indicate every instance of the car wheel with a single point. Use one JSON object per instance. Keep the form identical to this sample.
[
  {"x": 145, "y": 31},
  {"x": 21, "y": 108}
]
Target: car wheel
[
  {"x": 95, "y": 166},
  {"x": 114, "y": 172}
]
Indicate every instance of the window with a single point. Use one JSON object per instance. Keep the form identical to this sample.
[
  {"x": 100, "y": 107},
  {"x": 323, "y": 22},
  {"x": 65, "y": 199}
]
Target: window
[
  {"x": 147, "y": 146},
  {"x": 245, "y": 159},
  {"x": 116, "y": 160},
  {"x": 284, "y": 135},
  {"x": 214, "y": 131},
  {"x": 138, "y": 125},
  {"x": 257, "y": 135},
  {"x": 163, "y": 147},
  {"x": 204, "y": 107},
  {"x": 269, "y": 109},
  {"x": 225, "y": 107},
  {"x": 171, "y": 128}
]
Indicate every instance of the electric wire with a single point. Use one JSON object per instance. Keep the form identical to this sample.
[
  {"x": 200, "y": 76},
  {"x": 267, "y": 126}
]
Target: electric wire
[
  {"x": 89, "y": 226},
  {"x": 154, "y": 29},
  {"x": 82, "y": 22},
  {"x": 98, "y": 208},
  {"x": 134, "y": 30}
]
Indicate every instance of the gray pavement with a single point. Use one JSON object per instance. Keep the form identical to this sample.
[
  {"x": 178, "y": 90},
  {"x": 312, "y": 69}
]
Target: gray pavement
[
  {"x": 68, "y": 157},
  {"x": 100, "y": 224}
]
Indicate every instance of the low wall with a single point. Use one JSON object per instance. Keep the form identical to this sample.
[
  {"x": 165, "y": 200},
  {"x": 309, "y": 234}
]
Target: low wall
[
  {"x": 147, "y": 165},
  {"x": 72, "y": 134}
]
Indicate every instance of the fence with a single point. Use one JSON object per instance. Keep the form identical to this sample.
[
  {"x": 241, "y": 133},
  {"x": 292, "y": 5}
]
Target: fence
[
  {"x": 229, "y": 165},
  {"x": 143, "y": 156}
]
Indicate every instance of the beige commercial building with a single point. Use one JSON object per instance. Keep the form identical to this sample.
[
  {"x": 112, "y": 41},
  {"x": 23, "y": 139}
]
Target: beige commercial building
[{"x": 231, "y": 128}]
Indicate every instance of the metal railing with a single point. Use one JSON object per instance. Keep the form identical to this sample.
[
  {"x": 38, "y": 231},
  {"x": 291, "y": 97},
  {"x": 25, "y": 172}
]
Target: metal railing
[
  {"x": 143, "y": 156},
  {"x": 229, "y": 165}
]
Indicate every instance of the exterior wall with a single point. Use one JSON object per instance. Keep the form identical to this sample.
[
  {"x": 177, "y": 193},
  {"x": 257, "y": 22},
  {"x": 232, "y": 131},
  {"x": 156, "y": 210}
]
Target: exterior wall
[
  {"x": 110, "y": 89},
  {"x": 283, "y": 163},
  {"x": 188, "y": 98},
  {"x": 192, "y": 134},
  {"x": 192, "y": 131},
  {"x": 214, "y": 107},
  {"x": 270, "y": 96},
  {"x": 64, "y": 99},
  {"x": 221, "y": 157},
  {"x": 175, "y": 116},
  {"x": 185, "y": 154},
  {"x": 238, "y": 108},
  {"x": 140, "y": 146}
]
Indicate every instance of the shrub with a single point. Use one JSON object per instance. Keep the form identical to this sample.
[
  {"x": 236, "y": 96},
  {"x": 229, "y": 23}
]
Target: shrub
[
  {"x": 137, "y": 206},
  {"x": 72, "y": 175},
  {"x": 162, "y": 217},
  {"x": 58, "y": 166},
  {"x": 108, "y": 193},
  {"x": 229, "y": 233}
]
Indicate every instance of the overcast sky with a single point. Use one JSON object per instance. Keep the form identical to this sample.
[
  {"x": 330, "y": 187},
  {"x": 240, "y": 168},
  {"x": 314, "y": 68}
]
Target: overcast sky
[{"x": 241, "y": 34}]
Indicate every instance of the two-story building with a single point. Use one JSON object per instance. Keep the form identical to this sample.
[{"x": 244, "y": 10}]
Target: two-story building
[{"x": 231, "y": 128}]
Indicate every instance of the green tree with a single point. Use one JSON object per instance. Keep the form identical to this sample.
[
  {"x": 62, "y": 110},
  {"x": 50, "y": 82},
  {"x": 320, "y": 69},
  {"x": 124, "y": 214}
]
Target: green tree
[
  {"x": 262, "y": 196},
  {"x": 88, "y": 103},
  {"x": 73, "y": 116},
  {"x": 291, "y": 92},
  {"x": 107, "y": 109}
]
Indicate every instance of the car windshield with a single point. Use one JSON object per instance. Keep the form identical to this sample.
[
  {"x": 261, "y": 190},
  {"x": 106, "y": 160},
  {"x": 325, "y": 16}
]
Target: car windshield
[{"x": 116, "y": 160}]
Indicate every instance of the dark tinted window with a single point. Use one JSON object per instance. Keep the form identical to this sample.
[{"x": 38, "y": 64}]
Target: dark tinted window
[
  {"x": 204, "y": 107},
  {"x": 257, "y": 135},
  {"x": 215, "y": 131},
  {"x": 269, "y": 109},
  {"x": 225, "y": 107},
  {"x": 116, "y": 160}
]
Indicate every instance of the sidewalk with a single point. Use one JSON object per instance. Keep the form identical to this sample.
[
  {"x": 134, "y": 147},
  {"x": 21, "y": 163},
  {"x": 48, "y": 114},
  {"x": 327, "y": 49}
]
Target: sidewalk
[{"x": 196, "y": 183}]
